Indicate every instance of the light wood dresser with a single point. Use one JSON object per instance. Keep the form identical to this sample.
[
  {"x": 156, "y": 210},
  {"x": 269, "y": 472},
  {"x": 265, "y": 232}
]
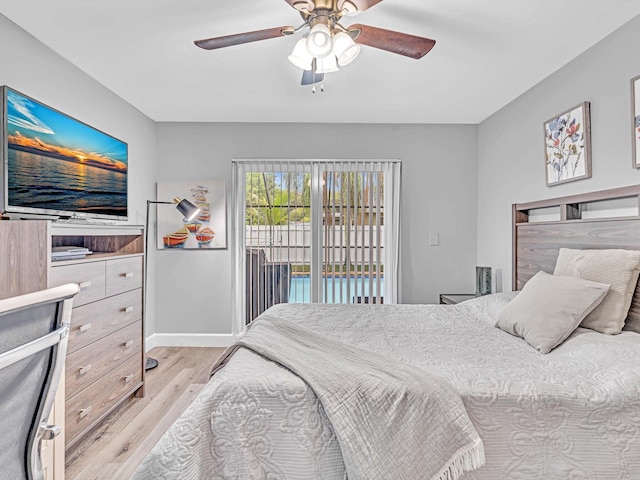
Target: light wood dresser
[{"x": 105, "y": 358}]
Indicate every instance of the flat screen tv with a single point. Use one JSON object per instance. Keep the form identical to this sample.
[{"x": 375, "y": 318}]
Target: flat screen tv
[{"x": 53, "y": 164}]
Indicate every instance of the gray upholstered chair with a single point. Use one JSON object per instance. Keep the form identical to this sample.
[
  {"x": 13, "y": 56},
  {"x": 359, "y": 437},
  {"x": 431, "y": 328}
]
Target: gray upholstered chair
[{"x": 33, "y": 342}]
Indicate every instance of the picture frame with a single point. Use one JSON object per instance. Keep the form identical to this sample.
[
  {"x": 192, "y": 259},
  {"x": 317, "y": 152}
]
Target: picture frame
[
  {"x": 208, "y": 231},
  {"x": 567, "y": 138},
  {"x": 635, "y": 121}
]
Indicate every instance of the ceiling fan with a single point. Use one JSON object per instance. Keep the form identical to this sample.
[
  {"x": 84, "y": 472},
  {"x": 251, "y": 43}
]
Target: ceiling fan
[{"x": 329, "y": 45}]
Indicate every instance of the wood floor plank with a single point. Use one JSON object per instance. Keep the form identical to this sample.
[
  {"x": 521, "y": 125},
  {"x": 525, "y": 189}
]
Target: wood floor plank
[
  {"x": 116, "y": 447},
  {"x": 126, "y": 469}
]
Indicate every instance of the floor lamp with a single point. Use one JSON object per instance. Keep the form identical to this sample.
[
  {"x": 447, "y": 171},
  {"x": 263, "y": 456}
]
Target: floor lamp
[{"x": 189, "y": 211}]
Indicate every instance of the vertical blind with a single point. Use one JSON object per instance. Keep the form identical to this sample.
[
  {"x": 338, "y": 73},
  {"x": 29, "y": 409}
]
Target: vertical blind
[{"x": 314, "y": 231}]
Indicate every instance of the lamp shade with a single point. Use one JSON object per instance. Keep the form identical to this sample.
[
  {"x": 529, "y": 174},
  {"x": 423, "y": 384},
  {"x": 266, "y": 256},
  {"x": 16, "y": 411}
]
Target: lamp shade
[
  {"x": 345, "y": 49},
  {"x": 186, "y": 208},
  {"x": 300, "y": 56},
  {"x": 327, "y": 64},
  {"x": 319, "y": 42}
]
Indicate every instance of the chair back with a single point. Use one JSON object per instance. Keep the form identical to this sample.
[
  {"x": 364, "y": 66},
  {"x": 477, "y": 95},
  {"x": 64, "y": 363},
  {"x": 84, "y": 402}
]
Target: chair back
[{"x": 33, "y": 343}]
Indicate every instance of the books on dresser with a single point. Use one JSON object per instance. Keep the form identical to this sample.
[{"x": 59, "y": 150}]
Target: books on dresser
[{"x": 69, "y": 253}]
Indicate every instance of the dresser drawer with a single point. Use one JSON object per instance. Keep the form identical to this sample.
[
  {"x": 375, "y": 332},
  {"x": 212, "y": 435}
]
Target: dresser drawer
[
  {"x": 123, "y": 274},
  {"x": 88, "y": 364},
  {"x": 86, "y": 408},
  {"x": 90, "y": 276},
  {"x": 91, "y": 322}
]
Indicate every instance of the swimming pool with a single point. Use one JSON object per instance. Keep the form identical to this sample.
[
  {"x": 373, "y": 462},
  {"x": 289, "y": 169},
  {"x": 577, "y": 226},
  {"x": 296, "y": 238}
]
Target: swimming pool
[{"x": 300, "y": 288}]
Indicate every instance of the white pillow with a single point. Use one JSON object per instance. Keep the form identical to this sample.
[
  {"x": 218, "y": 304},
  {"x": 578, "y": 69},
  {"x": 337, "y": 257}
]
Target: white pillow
[
  {"x": 616, "y": 267},
  {"x": 488, "y": 307},
  {"x": 549, "y": 308}
]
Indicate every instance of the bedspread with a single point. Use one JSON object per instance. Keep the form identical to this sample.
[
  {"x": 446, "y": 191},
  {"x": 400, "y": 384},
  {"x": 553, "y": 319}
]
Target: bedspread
[
  {"x": 572, "y": 414},
  {"x": 376, "y": 405}
]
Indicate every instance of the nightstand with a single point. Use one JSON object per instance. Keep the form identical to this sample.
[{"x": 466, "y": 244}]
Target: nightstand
[{"x": 454, "y": 298}]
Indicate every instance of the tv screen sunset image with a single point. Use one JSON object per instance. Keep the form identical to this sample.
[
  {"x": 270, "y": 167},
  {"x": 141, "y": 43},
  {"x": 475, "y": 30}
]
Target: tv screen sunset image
[{"x": 60, "y": 164}]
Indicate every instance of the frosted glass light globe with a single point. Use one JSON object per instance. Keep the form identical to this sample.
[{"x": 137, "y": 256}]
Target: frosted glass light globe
[{"x": 319, "y": 42}]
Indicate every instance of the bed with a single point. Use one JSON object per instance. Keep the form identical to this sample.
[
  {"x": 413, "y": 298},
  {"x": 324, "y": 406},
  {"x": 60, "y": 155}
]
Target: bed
[{"x": 573, "y": 413}]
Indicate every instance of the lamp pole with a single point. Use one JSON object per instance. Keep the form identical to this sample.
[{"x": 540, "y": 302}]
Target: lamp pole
[
  {"x": 189, "y": 211},
  {"x": 149, "y": 362}
]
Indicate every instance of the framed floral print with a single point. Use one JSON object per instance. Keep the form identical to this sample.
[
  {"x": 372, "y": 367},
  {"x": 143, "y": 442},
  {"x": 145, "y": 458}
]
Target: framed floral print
[
  {"x": 567, "y": 145},
  {"x": 635, "y": 120}
]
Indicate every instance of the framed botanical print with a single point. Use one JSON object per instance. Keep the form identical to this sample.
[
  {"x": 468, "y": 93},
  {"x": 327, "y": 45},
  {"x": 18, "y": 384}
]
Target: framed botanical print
[
  {"x": 635, "y": 120},
  {"x": 567, "y": 138}
]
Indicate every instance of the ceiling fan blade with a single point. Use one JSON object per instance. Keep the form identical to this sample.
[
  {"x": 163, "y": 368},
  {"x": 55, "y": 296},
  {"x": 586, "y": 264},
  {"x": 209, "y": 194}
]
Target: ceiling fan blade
[
  {"x": 309, "y": 78},
  {"x": 394, "y": 42},
  {"x": 240, "y": 38}
]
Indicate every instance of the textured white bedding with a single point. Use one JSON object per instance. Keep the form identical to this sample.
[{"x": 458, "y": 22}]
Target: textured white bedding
[
  {"x": 375, "y": 405},
  {"x": 571, "y": 414}
]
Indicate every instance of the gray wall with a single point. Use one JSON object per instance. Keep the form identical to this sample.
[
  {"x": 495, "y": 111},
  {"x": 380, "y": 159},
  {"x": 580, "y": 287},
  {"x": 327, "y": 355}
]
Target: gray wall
[
  {"x": 34, "y": 69},
  {"x": 439, "y": 195},
  {"x": 511, "y": 165}
]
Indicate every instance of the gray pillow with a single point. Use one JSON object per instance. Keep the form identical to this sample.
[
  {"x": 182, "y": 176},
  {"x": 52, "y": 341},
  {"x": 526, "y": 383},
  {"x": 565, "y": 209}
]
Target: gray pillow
[
  {"x": 616, "y": 267},
  {"x": 549, "y": 308}
]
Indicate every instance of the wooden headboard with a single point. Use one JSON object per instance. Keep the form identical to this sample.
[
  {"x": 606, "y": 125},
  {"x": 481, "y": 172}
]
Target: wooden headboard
[{"x": 536, "y": 244}]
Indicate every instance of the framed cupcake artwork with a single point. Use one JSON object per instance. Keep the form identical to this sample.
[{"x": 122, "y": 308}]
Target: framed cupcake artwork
[{"x": 207, "y": 230}]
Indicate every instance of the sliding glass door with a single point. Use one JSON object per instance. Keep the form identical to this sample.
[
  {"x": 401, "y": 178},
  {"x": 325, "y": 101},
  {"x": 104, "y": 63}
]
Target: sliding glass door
[{"x": 314, "y": 231}]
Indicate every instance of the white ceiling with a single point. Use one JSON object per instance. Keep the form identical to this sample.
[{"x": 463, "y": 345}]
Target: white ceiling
[{"x": 488, "y": 52}]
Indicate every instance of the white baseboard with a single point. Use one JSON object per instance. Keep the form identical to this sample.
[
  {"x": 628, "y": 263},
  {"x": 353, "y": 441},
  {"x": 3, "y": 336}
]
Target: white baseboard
[{"x": 188, "y": 340}]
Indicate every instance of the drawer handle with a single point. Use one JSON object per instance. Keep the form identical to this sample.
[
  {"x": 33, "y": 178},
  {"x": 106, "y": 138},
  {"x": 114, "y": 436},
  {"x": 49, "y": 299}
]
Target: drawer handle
[
  {"x": 85, "y": 327},
  {"x": 128, "y": 309},
  {"x": 84, "y": 285},
  {"x": 127, "y": 275},
  {"x": 128, "y": 343},
  {"x": 84, "y": 370},
  {"x": 85, "y": 411},
  {"x": 128, "y": 378}
]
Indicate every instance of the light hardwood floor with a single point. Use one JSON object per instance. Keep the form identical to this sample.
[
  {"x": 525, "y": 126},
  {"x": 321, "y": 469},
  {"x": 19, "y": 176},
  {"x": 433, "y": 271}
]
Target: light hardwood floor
[{"x": 114, "y": 449}]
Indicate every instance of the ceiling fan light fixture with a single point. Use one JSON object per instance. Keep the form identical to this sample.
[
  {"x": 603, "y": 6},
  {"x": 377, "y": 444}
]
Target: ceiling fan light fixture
[
  {"x": 300, "y": 56},
  {"x": 345, "y": 49},
  {"x": 319, "y": 41},
  {"x": 327, "y": 64},
  {"x": 327, "y": 44}
]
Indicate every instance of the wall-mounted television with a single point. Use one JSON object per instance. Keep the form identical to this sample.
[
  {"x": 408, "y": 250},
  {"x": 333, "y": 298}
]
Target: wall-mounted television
[{"x": 55, "y": 165}]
